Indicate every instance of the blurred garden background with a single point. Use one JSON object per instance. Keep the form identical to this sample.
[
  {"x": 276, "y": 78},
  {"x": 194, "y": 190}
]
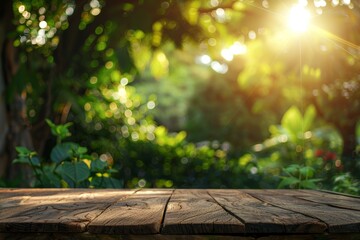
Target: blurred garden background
[{"x": 185, "y": 94}]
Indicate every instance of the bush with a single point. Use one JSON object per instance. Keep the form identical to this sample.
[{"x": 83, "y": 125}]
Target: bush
[
  {"x": 170, "y": 161},
  {"x": 69, "y": 165}
]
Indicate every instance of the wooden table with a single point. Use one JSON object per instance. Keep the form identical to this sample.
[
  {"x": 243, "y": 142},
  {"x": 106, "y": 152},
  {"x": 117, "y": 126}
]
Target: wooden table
[{"x": 177, "y": 214}]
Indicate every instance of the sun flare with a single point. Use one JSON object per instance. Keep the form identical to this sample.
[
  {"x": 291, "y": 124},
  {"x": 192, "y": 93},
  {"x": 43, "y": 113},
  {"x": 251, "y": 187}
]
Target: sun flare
[{"x": 299, "y": 19}]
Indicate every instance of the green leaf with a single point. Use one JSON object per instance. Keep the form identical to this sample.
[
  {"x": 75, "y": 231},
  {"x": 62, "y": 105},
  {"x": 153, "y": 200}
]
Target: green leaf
[
  {"x": 292, "y": 121},
  {"x": 112, "y": 170},
  {"x": 25, "y": 160},
  {"x": 98, "y": 165},
  {"x": 60, "y": 131},
  {"x": 113, "y": 183},
  {"x": 159, "y": 65},
  {"x": 80, "y": 150},
  {"x": 49, "y": 178},
  {"x": 309, "y": 117},
  {"x": 288, "y": 181},
  {"x": 76, "y": 171},
  {"x": 106, "y": 182},
  {"x": 50, "y": 123},
  {"x": 307, "y": 172},
  {"x": 23, "y": 151},
  {"x": 62, "y": 152},
  {"x": 97, "y": 182},
  {"x": 35, "y": 161},
  {"x": 310, "y": 184},
  {"x": 292, "y": 170}
]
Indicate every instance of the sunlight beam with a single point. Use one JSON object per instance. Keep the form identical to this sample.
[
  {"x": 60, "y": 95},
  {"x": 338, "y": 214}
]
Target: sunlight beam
[
  {"x": 336, "y": 38},
  {"x": 299, "y": 19}
]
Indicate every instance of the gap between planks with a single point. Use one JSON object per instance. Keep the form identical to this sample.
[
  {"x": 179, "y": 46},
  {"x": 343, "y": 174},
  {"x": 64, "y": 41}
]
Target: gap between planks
[
  {"x": 338, "y": 220},
  {"x": 261, "y": 217},
  {"x": 115, "y": 201}
]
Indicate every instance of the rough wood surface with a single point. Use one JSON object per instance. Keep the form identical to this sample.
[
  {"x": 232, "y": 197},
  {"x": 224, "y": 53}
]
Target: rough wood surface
[
  {"x": 141, "y": 213},
  {"x": 334, "y": 200},
  {"x": 161, "y": 213},
  {"x": 338, "y": 220},
  {"x": 196, "y": 212},
  {"x": 77, "y": 236},
  {"x": 260, "y": 217},
  {"x": 53, "y": 210}
]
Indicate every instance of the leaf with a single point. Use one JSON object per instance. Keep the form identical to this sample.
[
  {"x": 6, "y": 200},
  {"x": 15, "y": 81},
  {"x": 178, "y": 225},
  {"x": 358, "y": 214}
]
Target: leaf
[
  {"x": 80, "y": 150},
  {"x": 61, "y": 152},
  {"x": 113, "y": 183},
  {"x": 288, "y": 181},
  {"x": 21, "y": 160},
  {"x": 292, "y": 170},
  {"x": 76, "y": 171},
  {"x": 112, "y": 170},
  {"x": 50, "y": 123},
  {"x": 106, "y": 182},
  {"x": 61, "y": 130},
  {"x": 23, "y": 151},
  {"x": 35, "y": 161},
  {"x": 49, "y": 179},
  {"x": 309, "y": 117},
  {"x": 97, "y": 182},
  {"x": 292, "y": 121},
  {"x": 65, "y": 181},
  {"x": 98, "y": 165},
  {"x": 159, "y": 65},
  {"x": 307, "y": 172},
  {"x": 310, "y": 184}
]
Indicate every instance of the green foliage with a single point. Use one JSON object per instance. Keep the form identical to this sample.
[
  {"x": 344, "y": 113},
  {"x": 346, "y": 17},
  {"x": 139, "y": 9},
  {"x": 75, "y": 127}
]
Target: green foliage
[
  {"x": 299, "y": 177},
  {"x": 170, "y": 161},
  {"x": 88, "y": 67},
  {"x": 297, "y": 143},
  {"x": 59, "y": 131},
  {"x": 295, "y": 124},
  {"x": 69, "y": 166},
  {"x": 346, "y": 183}
]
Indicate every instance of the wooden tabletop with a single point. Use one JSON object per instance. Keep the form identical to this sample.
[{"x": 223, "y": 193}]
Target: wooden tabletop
[{"x": 165, "y": 212}]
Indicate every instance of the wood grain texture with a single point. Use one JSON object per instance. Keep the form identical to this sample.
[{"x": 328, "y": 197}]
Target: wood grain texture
[
  {"x": 260, "y": 217},
  {"x": 85, "y": 236},
  {"x": 50, "y": 210},
  {"x": 195, "y": 212},
  {"x": 325, "y": 236},
  {"x": 161, "y": 213},
  {"x": 334, "y": 200},
  {"x": 338, "y": 220},
  {"x": 141, "y": 213}
]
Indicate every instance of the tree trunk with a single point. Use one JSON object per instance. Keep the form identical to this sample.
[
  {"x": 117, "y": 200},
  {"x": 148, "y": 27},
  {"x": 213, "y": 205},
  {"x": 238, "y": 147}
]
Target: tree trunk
[
  {"x": 4, "y": 126},
  {"x": 13, "y": 128}
]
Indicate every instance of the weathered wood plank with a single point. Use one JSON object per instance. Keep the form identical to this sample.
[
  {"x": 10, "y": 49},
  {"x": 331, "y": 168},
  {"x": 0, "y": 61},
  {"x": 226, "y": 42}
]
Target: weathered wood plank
[
  {"x": 50, "y": 210},
  {"x": 141, "y": 213},
  {"x": 95, "y": 214},
  {"x": 342, "y": 236},
  {"x": 260, "y": 217},
  {"x": 86, "y": 236},
  {"x": 195, "y": 212},
  {"x": 339, "y": 220},
  {"x": 335, "y": 200},
  {"x": 338, "y": 193}
]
